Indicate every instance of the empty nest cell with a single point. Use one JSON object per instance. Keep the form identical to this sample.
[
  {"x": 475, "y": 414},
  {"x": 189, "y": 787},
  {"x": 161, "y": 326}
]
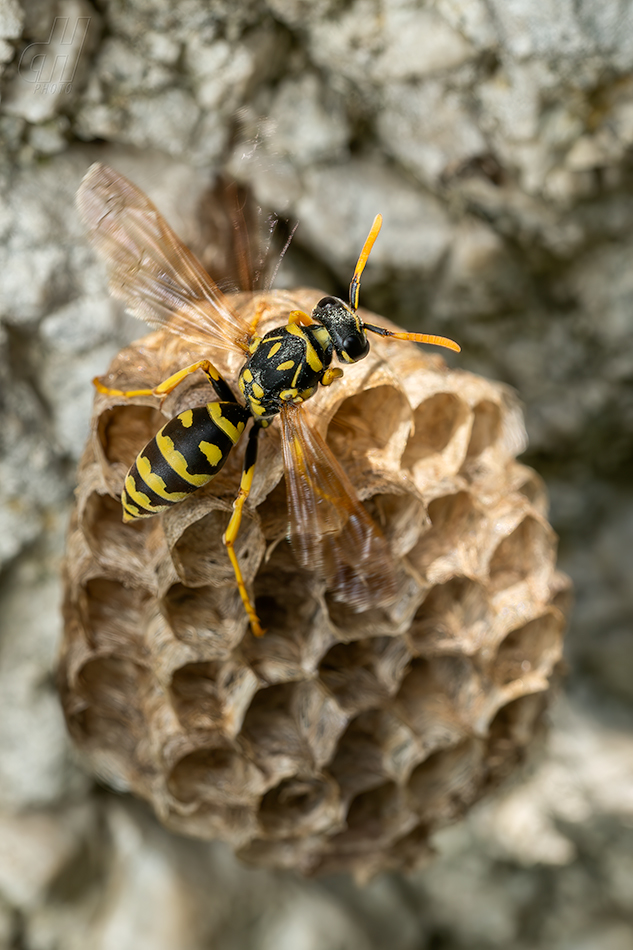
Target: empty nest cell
[
  {"x": 205, "y": 616},
  {"x": 219, "y": 776},
  {"x": 362, "y": 674},
  {"x": 453, "y": 618},
  {"x": 122, "y": 431},
  {"x": 527, "y": 551},
  {"x": 453, "y": 537},
  {"x": 370, "y": 425},
  {"x": 435, "y": 423},
  {"x": 194, "y": 530},
  {"x": 212, "y": 696}
]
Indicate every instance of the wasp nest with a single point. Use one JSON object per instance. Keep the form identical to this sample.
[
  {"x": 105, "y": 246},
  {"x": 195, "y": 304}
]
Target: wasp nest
[{"x": 339, "y": 740}]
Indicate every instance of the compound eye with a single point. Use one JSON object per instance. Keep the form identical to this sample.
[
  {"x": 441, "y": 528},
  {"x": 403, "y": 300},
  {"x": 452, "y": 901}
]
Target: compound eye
[
  {"x": 327, "y": 302},
  {"x": 356, "y": 346}
]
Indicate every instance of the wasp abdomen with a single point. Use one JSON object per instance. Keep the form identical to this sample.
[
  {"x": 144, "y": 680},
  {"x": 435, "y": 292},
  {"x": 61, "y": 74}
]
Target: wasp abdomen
[{"x": 184, "y": 455}]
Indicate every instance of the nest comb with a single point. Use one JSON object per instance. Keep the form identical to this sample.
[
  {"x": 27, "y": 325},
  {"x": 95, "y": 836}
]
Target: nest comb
[{"x": 340, "y": 740}]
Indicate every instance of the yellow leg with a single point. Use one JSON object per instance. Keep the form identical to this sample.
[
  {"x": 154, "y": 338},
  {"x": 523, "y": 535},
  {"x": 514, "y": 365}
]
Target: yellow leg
[
  {"x": 330, "y": 375},
  {"x": 230, "y": 535},
  {"x": 168, "y": 385},
  {"x": 299, "y": 316}
]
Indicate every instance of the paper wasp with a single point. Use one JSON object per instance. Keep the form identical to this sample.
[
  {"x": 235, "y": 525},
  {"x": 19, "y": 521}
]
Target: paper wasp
[{"x": 162, "y": 282}]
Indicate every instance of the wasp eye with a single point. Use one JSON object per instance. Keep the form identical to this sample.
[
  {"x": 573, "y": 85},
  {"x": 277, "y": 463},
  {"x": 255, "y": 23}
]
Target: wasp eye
[
  {"x": 356, "y": 346},
  {"x": 328, "y": 302}
]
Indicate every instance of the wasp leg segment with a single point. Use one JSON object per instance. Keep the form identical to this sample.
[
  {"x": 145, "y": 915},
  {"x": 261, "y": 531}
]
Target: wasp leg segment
[
  {"x": 220, "y": 385},
  {"x": 300, "y": 317},
  {"x": 415, "y": 337},
  {"x": 230, "y": 535},
  {"x": 330, "y": 375}
]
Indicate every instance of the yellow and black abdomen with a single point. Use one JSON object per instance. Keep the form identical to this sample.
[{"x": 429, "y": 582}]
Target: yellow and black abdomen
[{"x": 182, "y": 457}]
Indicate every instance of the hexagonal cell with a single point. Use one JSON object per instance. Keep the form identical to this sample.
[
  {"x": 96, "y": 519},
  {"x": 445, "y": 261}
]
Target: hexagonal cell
[
  {"x": 110, "y": 717},
  {"x": 435, "y": 422},
  {"x": 300, "y": 806},
  {"x": 511, "y": 730},
  {"x": 113, "y": 615},
  {"x": 212, "y": 695},
  {"x": 109, "y": 539},
  {"x": 367, "y": 422},
  {"x": 531, "y": 650},
  {"x": 454, "y": 618},
  {"x": 320, "y": 720},
  {"x": 364, "y": 673},
  {"x": 530, "y": 484},
  {"x": 435, "y": 699},
  {"x": 124, "y": 430},
  {"x": 376, "y": 816},
  {"x": 455, "y": 520},
  {"x": 375, "y": 747},
  {"x": 529, "y": 549},
  {"x": 195, "y": 539},
  {"x": 389, "y": 620},
  {"x": 272, "y": 734},
  {"x": 205, "y": 615},
  {"x": 296, "y": 630},
  {"x": 486, "y": 428},
  {"x": 217, "y": 775},
  {"x": 443, "y": 786},
  {"x": 400, "y": 516}
]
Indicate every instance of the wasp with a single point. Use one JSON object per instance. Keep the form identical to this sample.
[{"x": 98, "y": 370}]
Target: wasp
[{"x": 163, "y": 283}]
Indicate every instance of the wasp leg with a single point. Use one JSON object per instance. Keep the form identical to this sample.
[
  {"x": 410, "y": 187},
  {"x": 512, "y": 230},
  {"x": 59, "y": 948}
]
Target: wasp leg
[
  {"x": 330, "y": 375},
  {"x": 300, "y": 317},
  {"x": 218, "y": 382},
  {"x": 230, "y": 535}
]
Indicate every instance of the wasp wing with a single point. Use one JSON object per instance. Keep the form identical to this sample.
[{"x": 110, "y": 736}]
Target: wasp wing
[
  {"x": 150, "y": 269},
  {"x": 330, "y": 531}
]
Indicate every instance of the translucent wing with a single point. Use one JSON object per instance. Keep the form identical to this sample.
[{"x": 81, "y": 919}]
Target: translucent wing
[
  {"x": 150, "y": 268},
  {"x": 330, "y": 531}
]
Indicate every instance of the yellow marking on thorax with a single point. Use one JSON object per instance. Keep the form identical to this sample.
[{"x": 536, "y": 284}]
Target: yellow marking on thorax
[
  {"x": 233, "y": 432},
  {"x": 155, "y": 482},
  {"x": 247, "y": 375},
  {"x": 186, "y": 418},
  {"x": 257, "y": 390},
  {"x": 296, "y": 375},
  {"x": 274, "y": 349},
  {"x": 312, "y": 358},
  {"x": 321, "y": 334},
  {"x": 287, "y": 364}
]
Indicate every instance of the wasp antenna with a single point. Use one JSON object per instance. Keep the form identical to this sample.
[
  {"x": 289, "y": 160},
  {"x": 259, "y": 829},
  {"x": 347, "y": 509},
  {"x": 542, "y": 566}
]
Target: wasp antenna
[
  {"x": 416, "y": 337},
  {"x": 281, "y": 257},
  {"x": 354, "y": 287}
]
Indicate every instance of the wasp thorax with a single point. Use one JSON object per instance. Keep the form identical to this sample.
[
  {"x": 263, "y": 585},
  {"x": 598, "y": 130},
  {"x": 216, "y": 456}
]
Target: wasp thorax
[{"x": 345, "y": 328}]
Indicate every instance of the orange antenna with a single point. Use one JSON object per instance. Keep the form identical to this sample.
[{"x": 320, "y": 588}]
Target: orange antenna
[
  {"x": 354, "y": 287},
  {"x": 416, "y": 337}
]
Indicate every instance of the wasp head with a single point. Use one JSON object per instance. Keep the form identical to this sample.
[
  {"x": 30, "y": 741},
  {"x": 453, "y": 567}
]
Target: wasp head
[{"x": 345, "y": 329}]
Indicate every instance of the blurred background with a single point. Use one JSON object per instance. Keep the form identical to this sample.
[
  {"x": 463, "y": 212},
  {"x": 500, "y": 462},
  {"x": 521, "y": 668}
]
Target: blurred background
[{"x": 496, "y": 138}]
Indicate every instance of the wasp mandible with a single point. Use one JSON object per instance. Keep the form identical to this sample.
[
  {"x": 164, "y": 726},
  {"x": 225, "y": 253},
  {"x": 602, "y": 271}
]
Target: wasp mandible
[{"x": 163, "y": 283}]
